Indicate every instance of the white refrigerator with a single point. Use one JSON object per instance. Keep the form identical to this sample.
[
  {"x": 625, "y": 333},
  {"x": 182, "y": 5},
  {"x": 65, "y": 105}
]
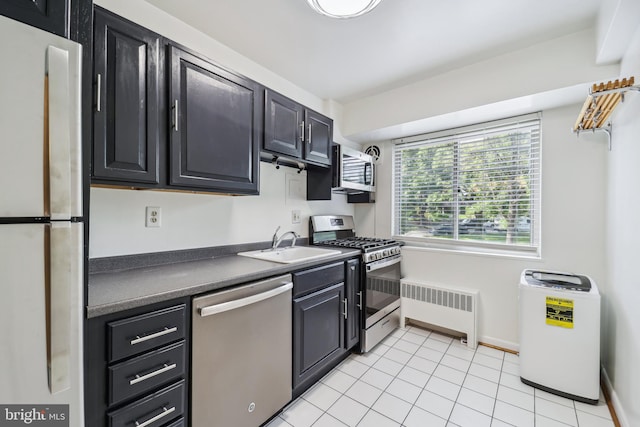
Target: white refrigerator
[{"x": 41, "y": 228}]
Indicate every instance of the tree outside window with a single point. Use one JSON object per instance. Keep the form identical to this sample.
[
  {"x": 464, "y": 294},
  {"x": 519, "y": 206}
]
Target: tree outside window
[{"x": 478, "y": 186}]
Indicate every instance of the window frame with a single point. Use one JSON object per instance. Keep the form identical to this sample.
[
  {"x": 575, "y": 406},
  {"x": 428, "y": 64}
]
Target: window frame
[{"x": 533, "y": 250}]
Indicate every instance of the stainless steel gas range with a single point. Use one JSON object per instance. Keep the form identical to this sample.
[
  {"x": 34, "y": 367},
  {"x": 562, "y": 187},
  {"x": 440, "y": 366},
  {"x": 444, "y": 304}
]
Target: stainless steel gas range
[{"x": 380, "y": 293}]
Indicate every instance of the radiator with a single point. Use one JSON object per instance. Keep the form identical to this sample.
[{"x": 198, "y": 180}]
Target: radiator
[{"x": 444, "y": 306}]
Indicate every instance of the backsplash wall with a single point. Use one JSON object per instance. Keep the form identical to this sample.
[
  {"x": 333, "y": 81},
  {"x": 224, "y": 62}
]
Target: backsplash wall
[{"x": 117, "y": 217}]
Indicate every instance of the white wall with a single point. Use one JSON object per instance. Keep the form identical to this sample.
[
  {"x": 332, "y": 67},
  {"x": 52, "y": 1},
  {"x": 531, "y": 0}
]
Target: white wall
[
  {"x": 117, "y": 220},
  {"x": 542, "y": 68},
  {"x": 621, "y": 290},
  {"x": 573, "y": 212},
  {"x": 197, "y": 220}
]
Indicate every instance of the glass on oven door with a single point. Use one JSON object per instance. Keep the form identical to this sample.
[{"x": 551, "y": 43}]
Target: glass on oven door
[{"x": 382, "y": 292}]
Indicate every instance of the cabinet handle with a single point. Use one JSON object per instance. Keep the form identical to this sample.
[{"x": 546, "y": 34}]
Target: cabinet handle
[
  {"x": 360, "y": 300},
  {"x": 139, "y": 378},
  {"x": 345, "y": 308},
  {"x": 98, "y": 92},
  {"x": 302, "y": 131},
  {"x": 165, "y": 331},
  {"x": 243, "y": 302},
  {"x": 161, "y": 415},
  {"x": 309, "y": 139},
  {"x": 175, "y": 115}
]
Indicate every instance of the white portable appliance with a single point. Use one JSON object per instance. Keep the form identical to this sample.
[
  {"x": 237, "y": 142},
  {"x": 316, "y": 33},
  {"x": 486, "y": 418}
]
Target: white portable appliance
[
  {"x": 560, "y": 334},
  {"x": 41, "y": 227}
]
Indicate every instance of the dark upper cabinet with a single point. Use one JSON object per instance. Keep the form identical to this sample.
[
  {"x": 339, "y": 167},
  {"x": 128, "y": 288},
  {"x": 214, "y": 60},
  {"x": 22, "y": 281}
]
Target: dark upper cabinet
[
  {"x": 127, "y": 113},
  {"x": 49, "y": 15},
  {"x": 216, "y": 126},
  {"x": 354, "y": 303},
  {"x": 283, "y": 125},
  {"x": 296, "y": 132},
  {"x": 318, "y": 138}
]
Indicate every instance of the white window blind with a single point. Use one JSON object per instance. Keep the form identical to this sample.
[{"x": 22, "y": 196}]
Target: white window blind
[{"x": 479, "y": 185}]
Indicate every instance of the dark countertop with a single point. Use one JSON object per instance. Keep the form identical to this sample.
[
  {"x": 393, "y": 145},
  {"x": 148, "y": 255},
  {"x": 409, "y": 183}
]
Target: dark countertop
[{"x": 113, "y": 291}]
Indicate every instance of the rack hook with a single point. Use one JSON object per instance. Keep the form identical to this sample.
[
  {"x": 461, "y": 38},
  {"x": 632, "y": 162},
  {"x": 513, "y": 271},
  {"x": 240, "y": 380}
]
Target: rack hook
[
  {"x": 301, "y": 167},
  {"x": 274, "y": 162}
]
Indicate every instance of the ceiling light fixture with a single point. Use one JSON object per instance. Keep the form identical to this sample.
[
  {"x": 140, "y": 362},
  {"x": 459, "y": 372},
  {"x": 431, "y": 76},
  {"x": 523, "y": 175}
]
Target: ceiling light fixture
[{"x": 343, "y": 9}]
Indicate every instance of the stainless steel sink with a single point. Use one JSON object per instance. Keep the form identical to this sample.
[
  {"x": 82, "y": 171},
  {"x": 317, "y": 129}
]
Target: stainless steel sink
[{"x": 290, "y": 255}]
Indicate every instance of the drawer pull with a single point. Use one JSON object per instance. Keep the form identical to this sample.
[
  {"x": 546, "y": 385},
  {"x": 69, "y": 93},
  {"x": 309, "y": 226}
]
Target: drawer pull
[
  {"x": 161, "y": 415},
  {"x": 165, "y": 331},
  {"x": 162, "y": 370}
]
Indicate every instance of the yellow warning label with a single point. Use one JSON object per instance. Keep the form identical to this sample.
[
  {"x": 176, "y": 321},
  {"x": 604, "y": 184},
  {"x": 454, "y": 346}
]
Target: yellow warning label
[{"x": 560, "y": 312}]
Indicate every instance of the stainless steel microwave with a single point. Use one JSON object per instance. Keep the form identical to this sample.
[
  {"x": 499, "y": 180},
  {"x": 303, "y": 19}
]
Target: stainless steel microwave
[{"x": 353, "y": 171}]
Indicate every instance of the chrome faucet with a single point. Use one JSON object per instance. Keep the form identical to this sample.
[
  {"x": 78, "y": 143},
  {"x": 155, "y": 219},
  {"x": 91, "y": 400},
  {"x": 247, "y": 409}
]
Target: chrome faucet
[{"x": 275, "y": 240}]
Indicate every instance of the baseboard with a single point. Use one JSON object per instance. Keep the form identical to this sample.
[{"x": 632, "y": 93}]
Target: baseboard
[
  {"x": 504, "y": 345},
  {"x": 615, "y": 407}
]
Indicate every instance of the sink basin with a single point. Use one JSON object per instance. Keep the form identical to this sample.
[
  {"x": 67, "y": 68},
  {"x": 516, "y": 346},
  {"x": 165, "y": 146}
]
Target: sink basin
[{"x": 290, "y": 255}]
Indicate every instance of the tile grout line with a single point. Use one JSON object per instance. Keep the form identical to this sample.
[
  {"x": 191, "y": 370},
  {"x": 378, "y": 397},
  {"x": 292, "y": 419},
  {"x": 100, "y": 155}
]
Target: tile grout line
[
  {"x": 370, "y": 368},
  {"x": 495, "y": 401}
]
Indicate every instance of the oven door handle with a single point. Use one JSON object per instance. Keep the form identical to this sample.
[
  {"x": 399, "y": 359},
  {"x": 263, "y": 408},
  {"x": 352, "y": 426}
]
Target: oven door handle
[{"x": 377, "y": 265}]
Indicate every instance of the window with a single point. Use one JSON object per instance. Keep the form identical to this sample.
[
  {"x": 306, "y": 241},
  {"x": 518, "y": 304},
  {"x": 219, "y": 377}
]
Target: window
[{"x": 476, "y": 186}]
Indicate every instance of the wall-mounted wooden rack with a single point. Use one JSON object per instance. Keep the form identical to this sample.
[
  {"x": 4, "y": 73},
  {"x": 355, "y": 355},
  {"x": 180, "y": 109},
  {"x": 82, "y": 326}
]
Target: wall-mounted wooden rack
[{"x": 603, "y": 98}]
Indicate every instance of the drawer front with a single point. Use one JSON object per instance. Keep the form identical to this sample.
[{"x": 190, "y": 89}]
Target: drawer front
[
  {"x": 143, "y": 373},
  {"x": 311, "y": 280},
  {"x": 153, "y": 411},
  {"x": 178, "y": 423},
  {"x": 138, "y": 334}
]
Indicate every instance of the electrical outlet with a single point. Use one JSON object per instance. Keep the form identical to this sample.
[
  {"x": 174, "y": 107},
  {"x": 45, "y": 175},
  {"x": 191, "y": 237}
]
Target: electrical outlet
[
  {"x": 153, "y": 217},
  {"x": 295, "y": 217}
]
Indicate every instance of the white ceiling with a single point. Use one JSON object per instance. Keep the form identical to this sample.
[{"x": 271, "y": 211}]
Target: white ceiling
[{"x": 399, "y": 42}]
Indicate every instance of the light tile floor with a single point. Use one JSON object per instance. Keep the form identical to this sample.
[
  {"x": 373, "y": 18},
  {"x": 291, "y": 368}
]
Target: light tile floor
[{"x": 419, "y": 378}]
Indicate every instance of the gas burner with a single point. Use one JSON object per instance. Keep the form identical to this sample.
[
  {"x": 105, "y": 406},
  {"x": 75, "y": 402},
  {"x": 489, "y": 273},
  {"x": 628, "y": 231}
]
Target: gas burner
[{"x": 364, "y": 243}]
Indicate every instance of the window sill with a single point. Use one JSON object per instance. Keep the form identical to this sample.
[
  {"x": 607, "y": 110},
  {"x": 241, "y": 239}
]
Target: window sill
[{"x": 477, "y": 250}]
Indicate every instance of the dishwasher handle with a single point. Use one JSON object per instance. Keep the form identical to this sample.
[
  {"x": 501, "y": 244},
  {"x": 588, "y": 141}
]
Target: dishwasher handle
[{"x": 243, "y": 302}]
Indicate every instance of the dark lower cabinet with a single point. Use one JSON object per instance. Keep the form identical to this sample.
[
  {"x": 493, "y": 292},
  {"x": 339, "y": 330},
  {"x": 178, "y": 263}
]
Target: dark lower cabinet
[
  {"x": 326, "y": 319},
  {"x": 137, "y": 367},
  {"x": 318, "y": 340},
  {"x": 48, "y": 15},
  {"x": 127, "y": 109},
  {"x": 354, "y": 303},
  {"x": 216, "y": 126}
]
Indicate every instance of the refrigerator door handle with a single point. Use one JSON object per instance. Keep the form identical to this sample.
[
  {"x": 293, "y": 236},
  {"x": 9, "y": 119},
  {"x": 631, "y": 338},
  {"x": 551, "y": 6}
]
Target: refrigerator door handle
[
  {"x": 58, "y": 134},
  {"x": 62, "y": 274}
]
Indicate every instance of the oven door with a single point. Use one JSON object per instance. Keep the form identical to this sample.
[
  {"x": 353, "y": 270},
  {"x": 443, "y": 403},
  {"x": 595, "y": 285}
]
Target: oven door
[{"x": 382, "y": 292}]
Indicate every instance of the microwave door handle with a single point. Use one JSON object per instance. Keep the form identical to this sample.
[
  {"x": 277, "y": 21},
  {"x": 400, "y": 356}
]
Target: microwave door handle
[
  {"x": 373, "y": 174},
  {"x": 368, "y": 166},
  {"x": 338, "y": 172}
]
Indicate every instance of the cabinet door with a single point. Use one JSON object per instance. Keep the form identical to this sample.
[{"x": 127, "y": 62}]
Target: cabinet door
[
  {"x": 318, "y": 331},
  {"x": 216, "y": 127},
  {"x": 353, "y": 294},
  {"x": 283, "y": 127},
  {"x": 49, "y": 15},
  {"x": 126, "y": 100},
  {"x": 318, "y": 138}
]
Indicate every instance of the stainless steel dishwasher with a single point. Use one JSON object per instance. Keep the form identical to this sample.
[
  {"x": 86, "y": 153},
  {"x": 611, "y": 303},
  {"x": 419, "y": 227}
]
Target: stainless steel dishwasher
[{"x": 241, "y": 355}]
